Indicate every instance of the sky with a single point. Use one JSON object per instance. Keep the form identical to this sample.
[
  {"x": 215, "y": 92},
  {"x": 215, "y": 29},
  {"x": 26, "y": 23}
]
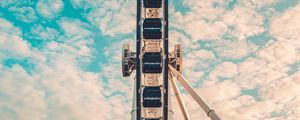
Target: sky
[{"x": 61, "y": 59}]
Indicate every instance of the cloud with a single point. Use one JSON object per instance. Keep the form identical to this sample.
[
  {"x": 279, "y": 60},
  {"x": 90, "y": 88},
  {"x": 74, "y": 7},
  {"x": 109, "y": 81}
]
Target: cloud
[
  {"x": 25, "y": 14},
  {"x": 225, "y": 70},
  {"x": 197, "y": 28},
  {"x": 57, "y": 86},
  {"x": 244, "y": 22},
  {"x": 235, "y": 49},
  {"x": 19, "y": 97},
  {"x": 8, "y": 27},
  {"x": 113, "y": 17},
  {"x": 43, "y": 33},
  {"x": 249, "y": 68},
  {"x": 49, "y": 8},
  {"x": 14, "y": 3},
  {"x": 287, "y": 25},
  {"x": 77, "y": 36},
  {"x": 257, "y": 3},
  {"x": 19, "y": 10},
  {"x": 11, "y": 44}
]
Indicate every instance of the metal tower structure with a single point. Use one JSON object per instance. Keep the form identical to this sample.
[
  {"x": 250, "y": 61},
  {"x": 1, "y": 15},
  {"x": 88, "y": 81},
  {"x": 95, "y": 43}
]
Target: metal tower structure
[{"x": 155, "y": 67}]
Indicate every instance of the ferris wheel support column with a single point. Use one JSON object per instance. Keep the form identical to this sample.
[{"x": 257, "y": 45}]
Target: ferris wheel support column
[
  {"x": 138, "y": 61},
  {"x": 166, "y": 59},
  {"x": 208, "y": 110}
]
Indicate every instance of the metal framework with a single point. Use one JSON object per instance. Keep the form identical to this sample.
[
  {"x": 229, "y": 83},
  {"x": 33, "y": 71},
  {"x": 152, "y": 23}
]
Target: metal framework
[{"x": 155, "y": 67}]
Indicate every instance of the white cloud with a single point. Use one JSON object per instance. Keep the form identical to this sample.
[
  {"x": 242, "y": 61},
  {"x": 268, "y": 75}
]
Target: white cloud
[
  {"x": 266, "y": 71},
  {"x": 8, "y": 27},
  {"x": 13, "y": 3},
  {"x": 19, "y": 98},
  {"x": 225, "y": 70},
  {"x": 77, "y": 36},
  {"x": 112, "y": 17},
  {"x": 225, "y": 91},
  {"x": 198, "y": 28},
  {"x": 209, "y": 21},
  {"x": 244, "y": 21},
  {"x": 70, "y": 90},
  {"x": 57, "y": 87},
  {"x": 40, "y": 32},
  {"x": 204, "y": 9},
  {"x": 200, "y": 54},
  {"x": 25, "y": 14},
  {"x": 282, "y": 53},
  {"x": 178, "y": 37},
  {"x": 11, "y": 44},
  {"x": 49, "y": 8},
  {"x": 287, "y": 25},
  {"x": 254, "y": 4},
  {"x": 74, "y": 27},
  {"x": 234, "y": 49}
]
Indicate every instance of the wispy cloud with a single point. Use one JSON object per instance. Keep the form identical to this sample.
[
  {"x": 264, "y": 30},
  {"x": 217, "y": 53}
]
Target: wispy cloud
[
  {"x": 236, "y": 65},
  {"x": 49, "y": 8}
]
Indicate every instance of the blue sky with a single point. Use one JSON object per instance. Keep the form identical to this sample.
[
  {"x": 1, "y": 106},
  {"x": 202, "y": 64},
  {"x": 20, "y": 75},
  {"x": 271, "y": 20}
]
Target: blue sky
[{"x": 60, "y": 59}]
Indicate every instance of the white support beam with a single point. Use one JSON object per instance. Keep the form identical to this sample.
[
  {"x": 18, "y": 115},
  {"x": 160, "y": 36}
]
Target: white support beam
[
  {"x": 133, "y": 110},
  {"x": 179, "y": 98},
  {"x": 208, "y": 110},
  {"x": 171, "y": 111}
]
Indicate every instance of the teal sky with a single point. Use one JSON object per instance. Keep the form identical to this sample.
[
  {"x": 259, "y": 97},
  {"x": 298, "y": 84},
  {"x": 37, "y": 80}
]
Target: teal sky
[{"x": 61, "y": 59}]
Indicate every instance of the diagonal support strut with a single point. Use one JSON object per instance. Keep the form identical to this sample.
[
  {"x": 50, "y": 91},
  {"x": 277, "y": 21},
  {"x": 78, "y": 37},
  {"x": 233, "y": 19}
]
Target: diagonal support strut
[
  {"x": 179, "y": 98},
  {"x": 208, "y": 110}
]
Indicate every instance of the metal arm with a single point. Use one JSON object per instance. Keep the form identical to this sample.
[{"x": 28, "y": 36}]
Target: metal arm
[
  {"x": 208, "y": 110},
  {"x": 179, "y": 98}
]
